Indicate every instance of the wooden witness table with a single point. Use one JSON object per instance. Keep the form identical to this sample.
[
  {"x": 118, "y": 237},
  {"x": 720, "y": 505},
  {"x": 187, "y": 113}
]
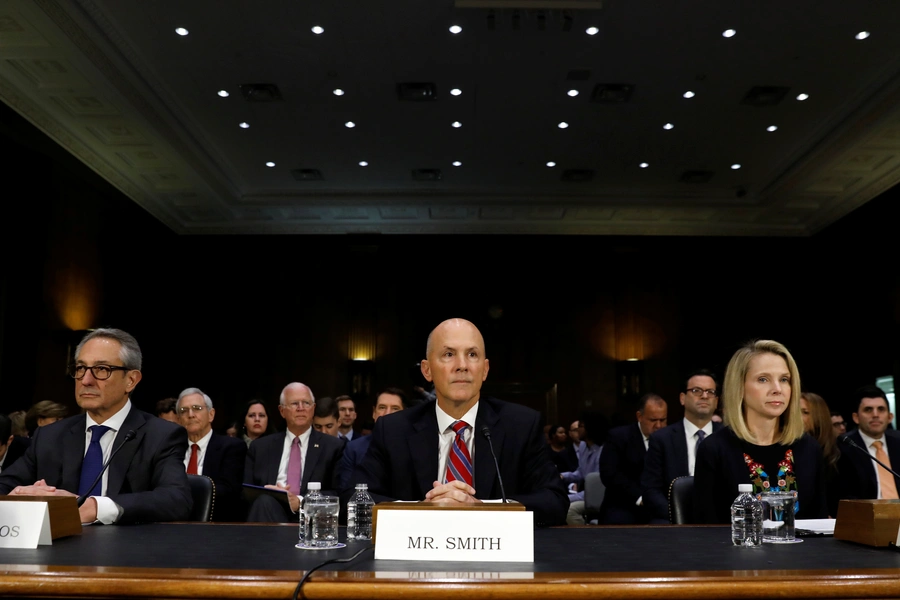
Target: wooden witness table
[{"x": 194, "y": 560}]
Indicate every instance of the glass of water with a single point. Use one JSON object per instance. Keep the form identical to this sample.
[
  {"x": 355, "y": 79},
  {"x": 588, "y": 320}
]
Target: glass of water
[
  {"x": 322, "y": 513},
  {"x": 778, "y": 517}
]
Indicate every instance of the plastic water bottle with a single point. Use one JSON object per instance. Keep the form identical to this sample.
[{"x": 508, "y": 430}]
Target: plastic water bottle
[
  {"x": 746, "y": 518},
  {"x": 312, "y": 491},
  {"x": 359, "y": 514}
]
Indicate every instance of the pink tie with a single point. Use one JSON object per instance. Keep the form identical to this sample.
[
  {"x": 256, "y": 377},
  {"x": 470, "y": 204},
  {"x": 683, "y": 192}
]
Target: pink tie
[{"x": 295, "y": 467}]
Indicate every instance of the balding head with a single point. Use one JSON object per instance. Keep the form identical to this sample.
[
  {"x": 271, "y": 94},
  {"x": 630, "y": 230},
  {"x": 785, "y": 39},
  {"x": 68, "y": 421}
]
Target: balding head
[
  {"x": 455, "y": 362},
  {"x": 449, "y": 325},
  {"x": 296, "y": 406}
]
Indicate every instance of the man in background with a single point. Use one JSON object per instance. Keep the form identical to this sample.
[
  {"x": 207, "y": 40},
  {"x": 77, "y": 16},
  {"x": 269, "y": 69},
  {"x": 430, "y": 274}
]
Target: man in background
[
  {"x": 389, "y": 401},
  {"x": 327, "y": 417},
  {"x": 347, "y": 410},
  {"x": 859, "y": 477}
]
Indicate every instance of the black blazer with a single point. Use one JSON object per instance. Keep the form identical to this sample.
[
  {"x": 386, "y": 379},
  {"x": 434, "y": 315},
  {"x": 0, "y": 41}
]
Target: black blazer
[
  {"x": 856, "y": 471},
  {"x": 621, "y": 467},
  {"x": 720, "y": 468},
  {"x": 15, "y": 450},
  {"x": 402, "y": 460},
  {"x": 667, "y": 458},
  {"x": 322, "y": 457},
  {"x": 224, "y": 464},
  {"x": 146, "y": 477}
]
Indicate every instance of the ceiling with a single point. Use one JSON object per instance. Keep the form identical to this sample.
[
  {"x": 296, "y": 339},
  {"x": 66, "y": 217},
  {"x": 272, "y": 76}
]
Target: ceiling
[{"x": 114, "y": 84}]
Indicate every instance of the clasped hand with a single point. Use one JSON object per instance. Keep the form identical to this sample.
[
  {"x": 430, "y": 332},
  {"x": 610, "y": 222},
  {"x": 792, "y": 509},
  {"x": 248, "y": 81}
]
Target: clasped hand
[
  {"x": 453, "y": 492},
  {"x": 87, "y": 511}
]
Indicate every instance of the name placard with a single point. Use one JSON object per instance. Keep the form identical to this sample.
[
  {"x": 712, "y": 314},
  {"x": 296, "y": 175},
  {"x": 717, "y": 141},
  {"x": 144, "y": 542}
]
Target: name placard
[
  {"x": 455, "y": 535},
  {"x": 24, "y": 524}
]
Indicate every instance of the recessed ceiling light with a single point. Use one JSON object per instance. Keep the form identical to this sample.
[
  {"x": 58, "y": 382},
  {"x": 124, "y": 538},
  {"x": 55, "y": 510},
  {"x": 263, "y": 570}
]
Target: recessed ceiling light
[
  {"x": 644, "y": 165},
  {"x": 317, "y": 30},
  {"x": 668, "y": 126},
  {"x": 349, "y": 124},
  {"x": 729, "y": 33},
  {"x": 772, "y": 128},
  {"x": 862, "y": 35},
  {"x": 455, "y": 92},
  {"x": 689, "y": 94},
  {"x": 456, "y": 124},
  {"x": 563, "y": 125},
  {"x": 338, "y": 92},
  {"x": 244, "y": 125},
  {"x": 802, "y": 97},
  {"x": 735, "y": 166},
  {"x": 363, "y": 163},
  {"x": 551, "y": 164},
  {"x": 592, "y": 31},
  {"x": 456, "y": 163},
  {"x": 572, "y": 93},
  {"x": 454, "y": 29},
  {"x": 270, "y": 164},
  {"x": 182, "y": 31},
  {"x": 223, "y": 93}
]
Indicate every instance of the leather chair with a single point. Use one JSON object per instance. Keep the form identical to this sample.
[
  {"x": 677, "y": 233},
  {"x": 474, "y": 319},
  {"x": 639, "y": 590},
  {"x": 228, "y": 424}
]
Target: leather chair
[
  {"x": 594, "y": 490},
  {"x": 681, "y": 500},
  {"x": 203, "y": 491}
]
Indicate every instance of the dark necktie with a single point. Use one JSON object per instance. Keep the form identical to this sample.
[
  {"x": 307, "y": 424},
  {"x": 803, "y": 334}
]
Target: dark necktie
[
  {"x": 92, "y": 464},
  {"x": 192, "y": 463},
  {"x": 700, "y": 435}
]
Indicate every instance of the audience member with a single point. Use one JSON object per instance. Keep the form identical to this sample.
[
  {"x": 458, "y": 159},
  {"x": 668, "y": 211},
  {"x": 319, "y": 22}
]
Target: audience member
[
  {"x": 561, "y": 450},
  {"x": 255, "y": 421},
  {"x": 673, "y": 449},
  {"x": 763, "y": 442},
  {"x": 591, "y": 435},
  {"x": 233, "y": 429},
  {"x": 43, "y": 413},
  {"x": 622, "y": 464},
  {"x": 347, "y": 409},
  {"x": 860, "y": 477},
  {"x": 291, "y": 460},
  {"x": 838, "y": 425},
  {"x": 11, "y": 446},
  {"x": 327, "y": 417},
  {"x": 145, "y": 480},
  {"x": 389, "y": 401},
  {"x": 166, "y": 409},
  {"x": 426, "y": 452},
  {"x": 817, "y": 423},
  {"x": 17, "y": 419},
  {"x": 219, "y": 457}
]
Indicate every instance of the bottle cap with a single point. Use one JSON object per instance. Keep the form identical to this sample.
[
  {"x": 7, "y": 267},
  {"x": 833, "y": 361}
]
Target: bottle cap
[
  {"x": 314, "y": 485},
  {"x": 362, "y": 486},
  {"x": 742, "y": 487}
]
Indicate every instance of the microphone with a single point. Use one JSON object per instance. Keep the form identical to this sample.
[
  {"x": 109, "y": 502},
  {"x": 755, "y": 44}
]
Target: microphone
[
  {"x": 848, "y": 440},
  {"x": 486, "y": 432},
  {"x": 128, "y": 437}
]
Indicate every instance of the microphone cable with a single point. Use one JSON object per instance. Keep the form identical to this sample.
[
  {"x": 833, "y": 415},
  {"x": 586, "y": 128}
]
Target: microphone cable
[{"x": 296, "y": 595}]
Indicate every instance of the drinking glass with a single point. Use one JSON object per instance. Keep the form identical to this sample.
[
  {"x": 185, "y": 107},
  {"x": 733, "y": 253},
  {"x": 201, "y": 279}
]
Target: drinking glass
[
  {"x": 778, "y": 517},
  {"x": 323, "y": 521}
]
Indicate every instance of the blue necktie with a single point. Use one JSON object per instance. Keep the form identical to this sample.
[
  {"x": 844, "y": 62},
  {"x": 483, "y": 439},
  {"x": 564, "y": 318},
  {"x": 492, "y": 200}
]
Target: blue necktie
[
  {"x": 700, "y": 435},
  {"x": 92, "y": 464}
]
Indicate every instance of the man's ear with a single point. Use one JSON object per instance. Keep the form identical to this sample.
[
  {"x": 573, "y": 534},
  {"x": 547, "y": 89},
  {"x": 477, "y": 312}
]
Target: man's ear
[
  {"x": 212, "y": 414},
  {"x": 856, "y": 418},
  {"x": 426, "y": 370},
  {"x": 132, "y": 378}
]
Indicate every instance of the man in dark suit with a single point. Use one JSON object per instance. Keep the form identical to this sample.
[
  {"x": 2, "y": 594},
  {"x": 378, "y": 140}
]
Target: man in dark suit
[
  {"x": 859, "y": 477},
  {"x": 673, "y": 450},
  {"x": 145, "y": 480},
  {"x": 437, "y": 451},
  {"x": 11, "y": 447},
  {"x": 290, "y": 461},
  {"x": 622, "y": 464},
  {"x": 389, "y": 401},
  {"x": 219, "y": 457}
]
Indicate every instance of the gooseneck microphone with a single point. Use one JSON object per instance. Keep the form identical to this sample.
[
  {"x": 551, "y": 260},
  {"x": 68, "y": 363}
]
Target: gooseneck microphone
[
  {"x": 848, "y": 440},
  {"x": 128, "y": 437},
  {"x": 486, "y": 432}
]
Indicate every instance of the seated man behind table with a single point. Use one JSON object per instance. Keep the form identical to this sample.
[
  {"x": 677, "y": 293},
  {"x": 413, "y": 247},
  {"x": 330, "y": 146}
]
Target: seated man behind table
[
  {"x": 145, "y": 480},
  {"x": 389, "y": 401},
  {"x": 859, "y": 477},
  {"x": 291, "y": 460},
  {"x": 418, "y": 454},
  {"x": 673, "y": 449},
  {"x": 219, "y": 457}
]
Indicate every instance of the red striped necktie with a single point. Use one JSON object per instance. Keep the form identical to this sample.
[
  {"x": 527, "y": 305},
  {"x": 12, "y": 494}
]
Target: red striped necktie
[{"x": 459, "y": 467}]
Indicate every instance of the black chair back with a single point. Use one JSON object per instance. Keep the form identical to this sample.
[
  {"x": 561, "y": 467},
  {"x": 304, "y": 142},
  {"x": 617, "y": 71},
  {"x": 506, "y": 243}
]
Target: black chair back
[
  {"x": 681, "y": 500},
  {"x": 203, "y": 491}
]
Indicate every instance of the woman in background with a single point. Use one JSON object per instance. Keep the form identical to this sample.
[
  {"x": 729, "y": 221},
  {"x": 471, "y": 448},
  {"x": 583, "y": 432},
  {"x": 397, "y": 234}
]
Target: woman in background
[
  {"x": 817, "y": 423},
  {"x": 763, "y": 442},
  {"x": 43, "y": 413},
  {"x": 255, "y": 421}
]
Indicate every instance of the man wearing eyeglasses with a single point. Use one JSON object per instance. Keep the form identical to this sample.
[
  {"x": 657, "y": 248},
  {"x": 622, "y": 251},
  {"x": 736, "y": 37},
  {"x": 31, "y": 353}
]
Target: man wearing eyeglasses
[
  {"x": 673, "y": 450},
  {"x": 145, "y": 480},
  {"x": 290, "y": 461},
  {"x": 219, "y": 457}
]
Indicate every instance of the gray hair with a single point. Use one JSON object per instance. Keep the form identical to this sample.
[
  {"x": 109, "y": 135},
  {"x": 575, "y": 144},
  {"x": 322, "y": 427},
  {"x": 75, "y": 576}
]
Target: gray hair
[
  {"x": 189, "y": 391},
  {"x": 129, "y": 351},
  {"x": 295, "y": 384}
]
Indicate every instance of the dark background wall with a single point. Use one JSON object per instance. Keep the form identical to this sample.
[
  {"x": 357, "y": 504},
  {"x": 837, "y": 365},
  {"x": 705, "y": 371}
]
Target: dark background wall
[{"x": 241, "y": 316}]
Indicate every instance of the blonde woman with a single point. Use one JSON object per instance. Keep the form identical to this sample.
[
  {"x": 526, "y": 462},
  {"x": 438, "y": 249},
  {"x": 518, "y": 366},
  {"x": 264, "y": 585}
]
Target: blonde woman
[{"x": 763, "y": 441}]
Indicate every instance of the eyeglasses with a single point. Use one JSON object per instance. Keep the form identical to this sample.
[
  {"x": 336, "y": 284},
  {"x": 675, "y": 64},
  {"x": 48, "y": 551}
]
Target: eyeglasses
[
  {"x": 100, "y": 372},
  {"x": 193, "y": 407},
  {"x": 701, "y": 392},
  {"x": 306, "y": 404},
  {"x": 838, "y": 423}
]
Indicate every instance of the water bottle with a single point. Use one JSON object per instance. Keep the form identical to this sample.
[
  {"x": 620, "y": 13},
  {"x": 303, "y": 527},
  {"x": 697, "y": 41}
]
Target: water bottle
[
  {"x": 746, "y": 518},
  {"x": 312, "y": 491},
  {"x": 359, "y": 514}
]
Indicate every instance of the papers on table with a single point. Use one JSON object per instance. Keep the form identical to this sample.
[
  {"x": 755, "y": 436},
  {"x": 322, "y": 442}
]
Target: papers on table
[{"x": 823, "y": 526}]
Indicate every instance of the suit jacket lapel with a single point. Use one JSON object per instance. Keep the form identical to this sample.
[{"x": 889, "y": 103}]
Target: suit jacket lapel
[
  {"x": 119, "y": 465},
  {"x": 680, "y": 446},
  {"x": 313, "y": 452},
  {"x": 424, "y": 450},
  {"x": 73, "y": 455},
  {"x": 270, "y": 458},
  {"x": 485, "y": 475},
  {"x": 211, "y": 460}
]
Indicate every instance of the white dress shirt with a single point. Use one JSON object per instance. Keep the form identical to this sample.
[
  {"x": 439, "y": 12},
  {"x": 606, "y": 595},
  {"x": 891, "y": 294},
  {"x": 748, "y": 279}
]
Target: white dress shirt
[
  {"x": 690, "y": 435},
  {"x": 869, "y": 442},
  {"x": 286, "y": 455},
  {"x": 202, "y": 443},
  {"x": 447, "y": 435},
  {"x": 107, "y": 510}
]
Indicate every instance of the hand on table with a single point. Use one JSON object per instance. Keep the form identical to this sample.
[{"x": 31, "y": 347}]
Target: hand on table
[{"x": 454, "y": 492}]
